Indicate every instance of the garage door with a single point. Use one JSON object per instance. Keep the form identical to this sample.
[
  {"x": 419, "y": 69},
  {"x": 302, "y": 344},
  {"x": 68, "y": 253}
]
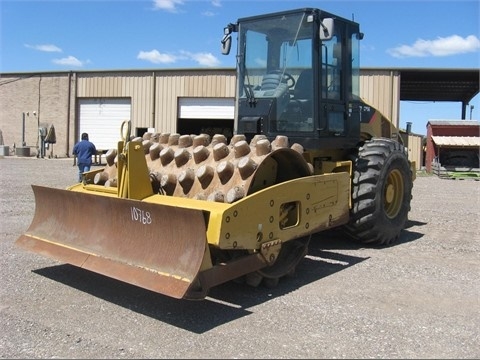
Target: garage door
[
  {"x": 206, "y": 108},
  {"x": 102, "y": 119}
]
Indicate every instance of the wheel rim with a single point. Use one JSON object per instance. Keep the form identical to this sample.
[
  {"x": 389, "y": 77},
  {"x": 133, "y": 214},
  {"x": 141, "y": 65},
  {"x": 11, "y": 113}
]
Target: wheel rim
[{"x": 393, "y": 197}]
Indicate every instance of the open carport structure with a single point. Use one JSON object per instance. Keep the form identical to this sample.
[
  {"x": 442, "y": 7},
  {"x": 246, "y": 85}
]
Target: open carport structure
[{"x": 453, "y": 85}]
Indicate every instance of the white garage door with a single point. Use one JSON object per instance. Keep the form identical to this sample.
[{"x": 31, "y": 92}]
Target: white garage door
[
  {"x": 102, "y": 119},
  {"x": 206, "y": 108}
]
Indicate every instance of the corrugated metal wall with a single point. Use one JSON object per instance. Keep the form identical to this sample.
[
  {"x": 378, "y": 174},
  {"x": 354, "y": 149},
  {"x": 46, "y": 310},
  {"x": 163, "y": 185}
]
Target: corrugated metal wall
[
  {"x": 155, "y": 94},
  {"x": 137, "y": 86},
  {"x": 199, "y": 83},
  {"x": 381, "y": 89},
  {"x": 415, "y": 150}
]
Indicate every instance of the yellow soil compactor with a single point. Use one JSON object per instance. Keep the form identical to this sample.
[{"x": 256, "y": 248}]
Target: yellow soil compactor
[{"x": 189, "y": 212}]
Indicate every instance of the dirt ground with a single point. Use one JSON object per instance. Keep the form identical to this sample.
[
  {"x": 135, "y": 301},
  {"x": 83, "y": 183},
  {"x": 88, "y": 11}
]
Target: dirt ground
[{"x": 416, "y": 299}]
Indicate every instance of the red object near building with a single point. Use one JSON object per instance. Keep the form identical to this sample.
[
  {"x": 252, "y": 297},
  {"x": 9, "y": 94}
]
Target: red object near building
[{"x": 453, "y": 144}]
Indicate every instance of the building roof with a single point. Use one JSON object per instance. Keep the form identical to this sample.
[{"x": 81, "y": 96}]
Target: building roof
[
  {"x": 439, "y": 84},
  {"x": 453, "y": 123},
  {"x": 457, "y": 141}
]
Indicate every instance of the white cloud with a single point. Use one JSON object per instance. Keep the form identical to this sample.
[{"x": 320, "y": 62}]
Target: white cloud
[
  {"x": 44, "y": 47},
  {"x": 68, "y": 61},
  {"x": 442, "y": 46},
  {"x": 215, "y": 3},
  {"x": 156, "y": 57},
  {"x": 205, "y": 59},
  {"x": 167, "y": 5}
]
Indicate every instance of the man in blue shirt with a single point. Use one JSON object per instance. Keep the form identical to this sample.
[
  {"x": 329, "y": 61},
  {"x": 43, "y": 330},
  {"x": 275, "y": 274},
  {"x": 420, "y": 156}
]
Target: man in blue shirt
[{"x": 84, "y": 150}]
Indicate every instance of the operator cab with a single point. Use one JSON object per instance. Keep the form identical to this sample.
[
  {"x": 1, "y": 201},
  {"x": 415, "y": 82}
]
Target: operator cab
[{"x": 298, "y": 75}]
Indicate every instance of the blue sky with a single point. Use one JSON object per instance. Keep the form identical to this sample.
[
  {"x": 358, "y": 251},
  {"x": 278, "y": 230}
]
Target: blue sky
[{"x": 41, "y": 35}]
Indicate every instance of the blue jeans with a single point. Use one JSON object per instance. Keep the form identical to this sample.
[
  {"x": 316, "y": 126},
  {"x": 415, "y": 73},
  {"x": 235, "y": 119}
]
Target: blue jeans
[{"x": 81, "y": 169}]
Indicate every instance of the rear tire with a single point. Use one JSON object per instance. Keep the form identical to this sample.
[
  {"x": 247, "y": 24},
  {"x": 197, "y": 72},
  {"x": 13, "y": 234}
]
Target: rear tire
[{"x": 381, "y": 192}]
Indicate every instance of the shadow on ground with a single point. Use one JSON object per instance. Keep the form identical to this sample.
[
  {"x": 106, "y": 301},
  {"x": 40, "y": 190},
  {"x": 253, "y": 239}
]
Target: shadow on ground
[{"x": 226, "y": 302}]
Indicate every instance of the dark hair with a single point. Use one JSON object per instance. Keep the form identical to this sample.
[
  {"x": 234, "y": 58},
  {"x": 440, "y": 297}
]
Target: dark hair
[{"x": 84, "y": 136}]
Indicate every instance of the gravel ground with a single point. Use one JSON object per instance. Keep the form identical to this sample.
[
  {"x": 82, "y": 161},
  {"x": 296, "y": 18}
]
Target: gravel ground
[{"x": 417, "y": 299}]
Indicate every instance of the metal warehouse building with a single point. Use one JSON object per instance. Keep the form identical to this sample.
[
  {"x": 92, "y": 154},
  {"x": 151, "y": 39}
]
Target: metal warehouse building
[{"x": 167, "y": 101}]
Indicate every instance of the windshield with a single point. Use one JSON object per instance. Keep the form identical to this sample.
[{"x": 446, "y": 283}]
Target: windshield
[
  {"x": 273, "y": 54},
  {"x": 280, "y": 45}
]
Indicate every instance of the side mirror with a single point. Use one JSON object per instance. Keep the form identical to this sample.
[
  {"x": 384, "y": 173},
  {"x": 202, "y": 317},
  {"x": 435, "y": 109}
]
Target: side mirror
[
  {"x": 226, "y": 44},
  {"x": 326, "y": 28}
]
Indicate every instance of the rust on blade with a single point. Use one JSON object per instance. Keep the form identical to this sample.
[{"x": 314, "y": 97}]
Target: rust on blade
[{"x": 154, "y": 246}]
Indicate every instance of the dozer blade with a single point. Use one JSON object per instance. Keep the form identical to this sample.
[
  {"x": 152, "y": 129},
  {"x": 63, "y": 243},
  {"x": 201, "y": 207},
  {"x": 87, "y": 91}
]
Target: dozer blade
[{"x": 154, "y": 246}]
